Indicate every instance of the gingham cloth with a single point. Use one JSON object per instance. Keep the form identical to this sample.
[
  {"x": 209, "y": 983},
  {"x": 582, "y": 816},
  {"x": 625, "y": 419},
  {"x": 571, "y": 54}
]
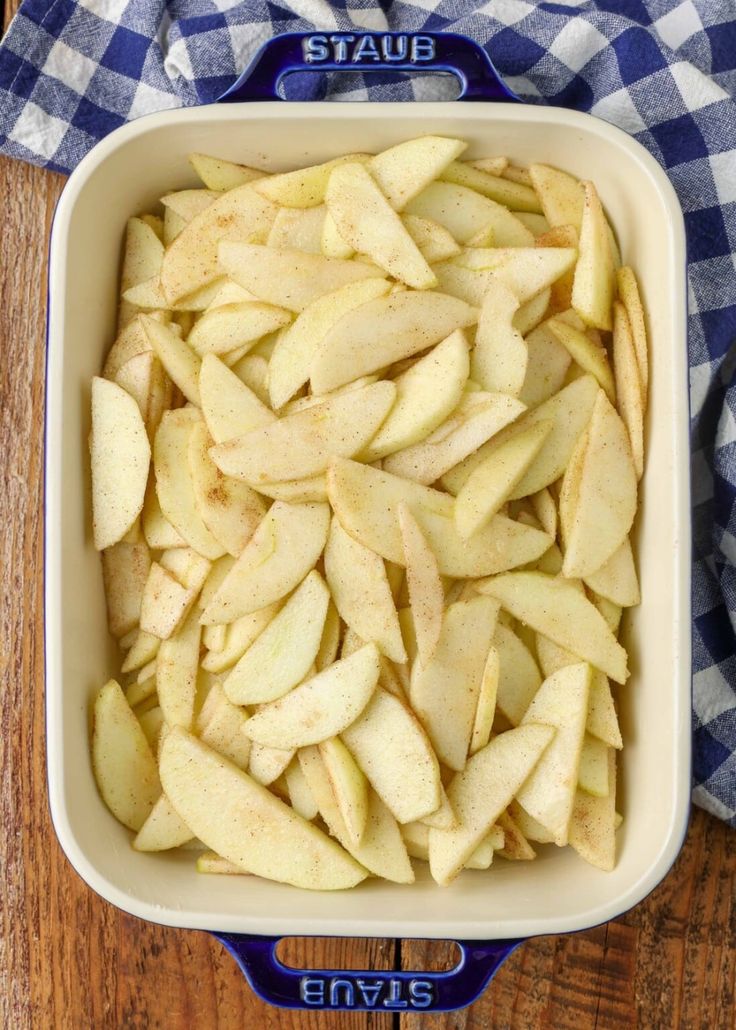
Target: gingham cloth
[{"x": 663, "y": 70}]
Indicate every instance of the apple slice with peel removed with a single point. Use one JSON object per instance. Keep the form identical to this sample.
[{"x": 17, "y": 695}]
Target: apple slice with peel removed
[
  {"x": 320, "y": 707},
  {"x": 349, "y": 786},
  {"x": 283, "y": 549},
  {"x": 593, "y": 824},
  {"x": 444, "y": 692},
  {"x": 301, "y": 798},
  {"x": 283, "y": 654},
  {"x": 163, "y": 829},
  {"x": 289, "y": 279},
  {"x": 516, "y": 848},
  {"x": 481, "y": 792},
  {"x": 392, "y": 749},
  {"x": 406, "y": 168},
  {"x": 486, "y": 705},
  {"x": 500, "y": 356},
  {"x": 426, "y": 595},
  {"x": 628, "y": 384},
  {"x": 231, "y": 326},
  {"x": 426, "y": 394},
  {"x": 588, "y": 354},
  {"x": 602, "y": 718},
  {"x": 230, "y": 408},
  {"x": 593, "y": 286},
  {"x": 517, "y": 196},
  {"x": 366, "y": 501},
  {"x": 525, "y": 270},
  {"x": 434, "y": 241},
  {"x": 548, "y": 794},
  {"x": 302, "y": 187},
  {"x": 301, "y": 445},
  {"x": 368, "y": 223},
  {"x": 561, "y": 612},
  {"x": 266, "y": 764},
  {"x": 239, "y": 635},
  {"x": 616, "y": 579},
  {"x": 221, "y": 175},
  {"x": 222, "y": 728},
  {"x": 593, "y": 767},
  {"x": 164, "y": 602},
  {"x": 122, "y": 761},
  {"x": 245, "y": 823},
  {"x": 125, "y": 572},
  {"x": 298, "y": 229},
  {"x": 384, "y": 331},
  {"x": 518, "y": 675},
  {"x": 361, "y": 592},
  {"x": 628, "y": 291},
  {"x": 120, "y": 457},
  {"x": 561, "y": 195},
  {"x": 381, "y": 849},
  {"x": 176, "y": 672},
  {"x": 466, "y": 214}
]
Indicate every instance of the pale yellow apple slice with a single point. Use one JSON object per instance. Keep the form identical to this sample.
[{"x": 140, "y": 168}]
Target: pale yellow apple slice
[
  {"x": 561, "y": 195},
  {"x": 222, "y": 730},
  {"x": 276, "y": 559},
  {"x": 492, "y": 165},
  {"x": 426, "y": 394},
  {"x": 301, "y": 445},
  {"x": 142, "y": 255},
  {"x": 525, "y": 270},
  {"x": 518, "y": 675},
  {"x": 163, "y": 829},
  {"x": 569, "y": 410},
  {"x": 245, "y": 824},
  {"x": 416, "y": 838},
  {"x": 239, "y": 635},
  {"x": 296, "y": 491},
  {"x": 157, "y": 530},
  {"x": 176, "y": 672},
  {"x": 593, "y": 768},
  {"x": 330, "y": 643},
  {"x": 230, "y": 408},
  {"x": 516, "y": 848},
  {"x": 529, "y": 826},
  {"x": 588, "y": 354},
  {"x": 185, "y": 205},
  {"x": 120, "y": 456},
  {"x": 492, "y": 482},
  {"x": 443, "y": 818},
  {"x": 628, "y": 292},
  {"x": 191, "y": 260},
  {"x": 478, "y": 417},
  {"x": 381, "y": 849},
  {"x": 628, "y": 384},
  {"x": 332, "y": 243},
  {"x": 514, "y": 195},
  {"x": 548, "y": 794},
  {"x": 189, "y": 567},
  {"x": 174, "y": 485},
  {"x": 284, "y": 653},
  {"x": 320, "y": 707},
  {"x": 295, "y": 350},
  {"x": 602, "y": 507},
  {"x": 594, "y": 821},
  {"x": 557, "y": 609},
  {"x": 405, "y": 169},
  {"x": 485, "y": 709},
  {"x": 298, "y": 229},
  {"x": 164, "y": 603},
  {"x": 468, "y": 216},
  {"x": 349, "y": 786},
  {"x": 390, "y": 746},
  {"x": 367, "y": 222},
  {"x": 552, "y": 657},
  {"x": 592, "y": 293},
  {"x": 426, "y": 595},
  {"x": 499, "y": 358},
  {"x": 616, "y": 579},
  {"x": 482, "y": 792},
  {"x": 384, "y": 331},
  {"x": 303, "y": 187},
  {"x": 361, "y": 592},
  {"x": 220, "y": 175},
  {"x": 125, "y": 571},
  {"x": 301, "y": 798},
  {"x": 231, "y": 326},
  {"x": 211, "y": 863},
  {"x": 435, "y": 243},
  {"x": 366, "y": 501},
  {"x": 142, "y": 651},
  {"x": 266, "y": 764},
  {"x": 444, "y": 692},
  {"x": 124, "y": 767},
  {"x": 602, "y": 719},
  {"x": 289, "y": 279}
]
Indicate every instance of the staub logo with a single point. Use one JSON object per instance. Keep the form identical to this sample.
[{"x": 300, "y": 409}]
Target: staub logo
[
  {"x": 364, "y": 48},
  {"x": 343, "y": 992}
]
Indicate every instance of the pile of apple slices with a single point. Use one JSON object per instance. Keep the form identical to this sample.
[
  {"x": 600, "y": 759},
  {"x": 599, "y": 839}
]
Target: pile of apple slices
[{"x": 365, "y": 460}]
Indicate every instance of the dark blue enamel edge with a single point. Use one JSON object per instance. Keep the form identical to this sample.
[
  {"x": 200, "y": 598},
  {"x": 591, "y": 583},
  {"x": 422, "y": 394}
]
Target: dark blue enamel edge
[
  {"x": 366, "y": 990},
  {"x": 364, "y": 52}
]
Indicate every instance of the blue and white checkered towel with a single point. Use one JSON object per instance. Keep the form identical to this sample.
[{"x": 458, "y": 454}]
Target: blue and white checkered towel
[{"x": 663, "y": 70}]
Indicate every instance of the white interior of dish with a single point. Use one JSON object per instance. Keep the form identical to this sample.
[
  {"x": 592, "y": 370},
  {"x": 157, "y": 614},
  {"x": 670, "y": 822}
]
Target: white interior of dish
[{"x": 126, "y": 174}]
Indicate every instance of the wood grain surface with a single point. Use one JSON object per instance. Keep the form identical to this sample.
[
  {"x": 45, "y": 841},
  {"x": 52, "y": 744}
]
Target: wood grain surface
[{"x": 69, "y": 960}]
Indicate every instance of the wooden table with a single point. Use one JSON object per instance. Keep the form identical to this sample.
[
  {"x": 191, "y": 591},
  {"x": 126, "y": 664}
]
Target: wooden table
[{"x": 68, "y": 959}]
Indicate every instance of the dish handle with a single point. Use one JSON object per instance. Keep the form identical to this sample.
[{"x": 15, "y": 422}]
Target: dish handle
[
  {"x": 366, "y": 990},
  {"x": 443, "y": 52}
]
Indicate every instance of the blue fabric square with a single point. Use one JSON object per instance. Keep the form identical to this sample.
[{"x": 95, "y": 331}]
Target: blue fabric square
[
  {"x": 638, "y": 55},
  {"x": 716, "y": 633},
  {"x": 521, "y": 53},
  {"x": 720, "y": 330},
  {"x": 16, "y": 74},
  {"x": 53, "y": 16},
  {"x": 680, "y": 140},
  {"x": 722, "y": 39},
  {"x": 634, "y": 10},
  {"x": 709, "y": 754},
  {"x": 91, "y": 118},
  {"x": 126, "y": 52},
  {"x": 202, "y": 23},
  {"x": 706, "y": 233}
]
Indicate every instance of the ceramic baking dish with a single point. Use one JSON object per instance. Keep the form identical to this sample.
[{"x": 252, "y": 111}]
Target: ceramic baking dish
[{"x": 126, "y": 173}]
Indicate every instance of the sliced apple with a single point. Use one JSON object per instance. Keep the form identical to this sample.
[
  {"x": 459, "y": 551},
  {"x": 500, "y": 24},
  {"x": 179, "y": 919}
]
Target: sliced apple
[
  {"x": 482, "y": 792},
  {"x": 601, "y": 510},
  {"x": 561, "y": 195},
  {"x": 514, "y": 195},
  {"x": 548, "y": 794},
  {"x": 349, "y": 786},
  {"x": 221, "y": 175},
  {"x": 120, "y": 457},
  {"x": 301, "y": 445},
  {"x": 426, "y": 596},
  {"x": 518, "y": 674},
  {"x": 384, "y": 331},
  {"x": 628, "y": 291},
  {"x": 628, "y": 384},
  {"x": 592, "y": 293},
  {"x": 157, "y": 530},
  {"x": 492, "y": 482},
  {"x": 176, "y": 672},
  {"x": 142, "y": 651},
  {"x": 284, "y": 653},
  {"x": 516, "y": 848},
  {"x": 163, "y": 829},
  {"x": 239, "y": 635},
  {"x": 332, "y": 243},
  {"x": 303, "y": 187},
  {"x": 289, "y": 279},
  {"x": 245, "y": 824},
  {"x": 278, "y": 556},
  {"x": 467, "y": 216},
  {"x": 499, "y": 357},
  {"x": 616, "y": 579},
  {"x": 405, "y": 169},
  {"x": 435, "y": 243},
  {"x": 560, "y": 611},
  {"x": 189, "y": 567},
  {"x": 142, "y": 255},
  {"x": 222, "y": 729},
  {"x": 390, "y": 746},
  {"x": 124, "y": 767},
  {"x": 296, "y": 491},
  {"x": 366, "y": 501},
  {"x": 298, "y": 229},
  {"x": 593, "y": 824},
  {"x": 125, "y": 571},
  {"x": 320, "y": 707},
  {"x": 361, "y": 592},
  {"x": 229, "y": 407},
  {"x": 164, "y": 604},
  {"x": 295, "y": 350},
  {"x": 229, "y": 326},
  {"x": 593, "y": 768},
  {"x": 602, "y": 719},
  {"x": 300, "y": 793},
  {"x": 267, "y": 764},
  {"x": 588, "y": 354},
  {"x": 443, "y": 818},
  {"x": 485, "y": 710},
  {"x": 525, "y": 270}
]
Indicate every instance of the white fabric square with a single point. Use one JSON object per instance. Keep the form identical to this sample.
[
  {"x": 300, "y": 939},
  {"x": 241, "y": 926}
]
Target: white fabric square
[
  {"x": 508, "y": 12},
  {"x": 109, "y": 10},
  {"x": 177, "y": 62},
  {"x": 147, "y": 100},
  {"x": 697, "y": 89},
  {"x": 723, "y": 167},
  {"x": 70, "y": 67},
  {"x": 700, "y": 376},
  {"x": 704, "y": 799},
  {"x": 701, "y": 479},
  {"x": 371, "y": 18},
  {"x": 38, "y": 131},
  {"x": 726, "y": 432},
  {"x": 678, "y": 25},
  {"x": 712, "y": 695},
  {"x": 578, "y": 43},
  {"x": 620, "y": 109}
]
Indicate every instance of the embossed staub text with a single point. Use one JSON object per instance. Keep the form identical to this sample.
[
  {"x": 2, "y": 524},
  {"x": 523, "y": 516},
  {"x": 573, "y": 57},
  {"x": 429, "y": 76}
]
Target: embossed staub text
[
  {"x": 364, "y": 992},
  {"x": 366, "y": 48}
]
